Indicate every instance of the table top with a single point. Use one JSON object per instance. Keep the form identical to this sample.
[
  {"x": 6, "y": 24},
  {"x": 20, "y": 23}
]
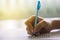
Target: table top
[
  {"x": 21, "y": 34},
  {"x": 9, "y": 30}
]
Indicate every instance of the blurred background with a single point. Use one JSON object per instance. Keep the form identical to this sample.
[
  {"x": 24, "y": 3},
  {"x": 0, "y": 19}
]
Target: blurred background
[
  {"x": 17, "y": 10},
  {"x": 20, "y": 9},
  {"x": 14, "y": 12}
]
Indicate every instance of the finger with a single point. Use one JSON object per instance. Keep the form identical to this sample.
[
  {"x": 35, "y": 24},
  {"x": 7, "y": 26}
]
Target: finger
[
  {"x": 43, "y": 27},
  {"x": 32, "y": 18},
  {"x": 29, "y": 25},
  {"x": 39, "y": 26},
  {"x": 30, "y": 28},
  {"x": 29, "y": 31},
  {"x": 39, "y": 19}
]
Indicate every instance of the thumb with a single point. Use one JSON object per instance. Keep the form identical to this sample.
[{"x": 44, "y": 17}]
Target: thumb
[{"x": 39, "y": 26}]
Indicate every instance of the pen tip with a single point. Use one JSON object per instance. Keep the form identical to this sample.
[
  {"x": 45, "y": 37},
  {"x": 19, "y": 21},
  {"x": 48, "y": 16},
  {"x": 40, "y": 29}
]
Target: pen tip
[{"x": 34, "y": 34}]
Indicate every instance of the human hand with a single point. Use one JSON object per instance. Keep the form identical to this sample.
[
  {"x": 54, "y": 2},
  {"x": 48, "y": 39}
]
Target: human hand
[{"x": 41, "y": 27}]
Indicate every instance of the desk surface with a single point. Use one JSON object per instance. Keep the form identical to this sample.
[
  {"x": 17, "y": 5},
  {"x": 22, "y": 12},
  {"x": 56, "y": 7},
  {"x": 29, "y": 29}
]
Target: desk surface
[{"x": 15, "y": 33}]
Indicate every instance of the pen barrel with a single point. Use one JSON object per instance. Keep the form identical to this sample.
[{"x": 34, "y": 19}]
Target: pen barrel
[{"x": 36, "y": 19}]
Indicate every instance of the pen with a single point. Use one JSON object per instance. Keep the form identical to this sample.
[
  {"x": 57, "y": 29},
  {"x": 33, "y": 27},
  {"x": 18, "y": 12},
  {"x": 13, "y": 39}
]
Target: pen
[
  {"x": 38, "y": 7},
  {"x": 37, "y": 13}
]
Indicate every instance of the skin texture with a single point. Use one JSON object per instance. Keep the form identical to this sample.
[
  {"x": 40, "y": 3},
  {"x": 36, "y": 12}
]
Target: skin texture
[
  {"x": 55, "y": 24},
  {"x": 30, "y": 24},
  {"x": 41, "y": 27}
]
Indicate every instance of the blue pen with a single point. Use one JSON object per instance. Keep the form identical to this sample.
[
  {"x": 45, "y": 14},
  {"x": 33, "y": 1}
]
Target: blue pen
[
  {"x": 36, "y": 19},
  {"x": 38, "y": 7}
]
